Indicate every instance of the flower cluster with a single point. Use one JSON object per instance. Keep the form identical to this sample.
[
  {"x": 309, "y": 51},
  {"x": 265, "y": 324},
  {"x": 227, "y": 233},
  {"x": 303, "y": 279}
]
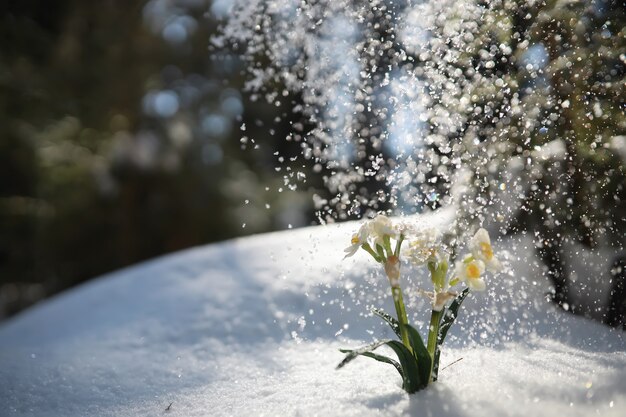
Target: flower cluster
[
  {"x": 419, "y": 363},
  {"x": 473, "y": 266},
  {"x": 426, "y": 248},
  {"x": 374, "y": 236}
]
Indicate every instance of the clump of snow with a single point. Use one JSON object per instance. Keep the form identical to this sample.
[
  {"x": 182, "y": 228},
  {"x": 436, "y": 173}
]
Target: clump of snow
[{"x": 253, "y": 326}]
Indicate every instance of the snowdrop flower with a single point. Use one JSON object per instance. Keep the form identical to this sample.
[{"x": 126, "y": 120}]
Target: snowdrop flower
[
  {"x": 480, "y": 246},
  {"x": 470, "y": 271},
  {"x": 424, "y": 248},
  {"x": 358, "y": 239},
  {"x": 403, "y": 228},
  {"x": 381, "y": 226}
]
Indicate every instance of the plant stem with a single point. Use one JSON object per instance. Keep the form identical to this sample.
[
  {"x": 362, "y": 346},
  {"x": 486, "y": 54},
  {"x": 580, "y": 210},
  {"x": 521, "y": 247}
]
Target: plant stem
[
  {"x": 396, "y": 252},
  {"x": 392, "y": 269},
  {"x": 369, "y": 250},
  {"x": 398, "y": 301},
  {"x": 433, "y": 334}
]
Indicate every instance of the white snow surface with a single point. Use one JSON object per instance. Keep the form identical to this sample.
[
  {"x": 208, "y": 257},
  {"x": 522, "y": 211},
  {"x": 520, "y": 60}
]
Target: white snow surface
[{"x": 252, "y": 327}]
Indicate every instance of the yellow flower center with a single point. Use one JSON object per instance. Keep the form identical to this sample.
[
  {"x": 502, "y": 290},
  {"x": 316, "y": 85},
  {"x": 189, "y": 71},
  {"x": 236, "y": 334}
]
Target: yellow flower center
[
  {"x": 472, "y": 271},
  {"x": 487, "y": 251},
  {"x": 355, "y": 239}
]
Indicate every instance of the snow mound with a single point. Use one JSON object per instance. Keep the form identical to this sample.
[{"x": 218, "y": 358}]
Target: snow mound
[{"x": 252, "y": 327}]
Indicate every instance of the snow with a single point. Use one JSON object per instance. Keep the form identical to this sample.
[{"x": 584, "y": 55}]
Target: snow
[{"x": 252, "y": 327}]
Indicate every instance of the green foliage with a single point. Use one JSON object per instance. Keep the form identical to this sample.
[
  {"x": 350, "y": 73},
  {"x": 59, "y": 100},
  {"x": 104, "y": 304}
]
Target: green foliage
[
  {"x": 390, "y": 320},
  {"x": 449, "y": 316},
  {"x": 409, "y": 368},
  {"x": 414, "y": 367},
  {"x": 381, "y": 358},
  {"x": 422, "y": 356},
  {"x": 353, "y": 353}
]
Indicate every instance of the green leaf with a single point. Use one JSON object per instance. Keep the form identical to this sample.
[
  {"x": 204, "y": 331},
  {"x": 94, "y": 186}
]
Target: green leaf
[
  {"x": 436, "y": 364},
  {"x": 449, "y": 316},
  {"x": 379, "y": 358},
  {"x": 408, "y": 367},
  {"x": 411, "y": 381},
  {"x": 390, "y": 320},
  {"x": 352, "y": 354},
  {"x": 420, "y": 351}
]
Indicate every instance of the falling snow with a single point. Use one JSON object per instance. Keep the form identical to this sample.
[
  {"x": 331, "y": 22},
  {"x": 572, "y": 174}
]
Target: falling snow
[
  {"x": 505, "y": 114},
  {"x": 511, "y": 113}
]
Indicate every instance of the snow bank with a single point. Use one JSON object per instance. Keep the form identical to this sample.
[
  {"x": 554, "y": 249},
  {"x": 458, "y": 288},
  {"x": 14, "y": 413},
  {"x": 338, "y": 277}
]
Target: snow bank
[{"x": 252, "y": 327}]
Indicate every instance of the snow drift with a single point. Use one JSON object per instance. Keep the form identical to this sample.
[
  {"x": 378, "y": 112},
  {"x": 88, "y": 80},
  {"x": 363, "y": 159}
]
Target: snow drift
[{"x": 253, "y": 326}]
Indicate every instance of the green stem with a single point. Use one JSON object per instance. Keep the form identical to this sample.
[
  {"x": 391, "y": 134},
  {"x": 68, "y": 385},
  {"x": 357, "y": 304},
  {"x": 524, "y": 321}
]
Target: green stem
[
  {"x": 380, "y": 251},
  {"x": 398, "y": 301},
  {"x": 398, "y": 245},
  {"x": 369, "y": 250},
  {"x": 387, "y": 242},
  {"x": 433, "y": 333}
]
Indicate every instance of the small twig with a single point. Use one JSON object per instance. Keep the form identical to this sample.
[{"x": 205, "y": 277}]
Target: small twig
[
  {"x": 169, "y": 407},
  {"x": 450, "y": 364}
]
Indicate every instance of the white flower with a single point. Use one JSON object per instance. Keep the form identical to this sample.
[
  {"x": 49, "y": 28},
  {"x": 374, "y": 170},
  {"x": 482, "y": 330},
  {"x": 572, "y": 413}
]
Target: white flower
[
  {"x": 381, "y": 226},
  {"x": 358, "y": 239},
  {"x": 470, "y": 271},
  {"x": 480, "y": 246},
  {"x": 424, "y": 247},
  {"x": 403, "y": 228}
]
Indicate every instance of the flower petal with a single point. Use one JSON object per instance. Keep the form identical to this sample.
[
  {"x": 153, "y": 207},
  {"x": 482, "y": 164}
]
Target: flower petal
[
  {"x": 351, "y": 250},
  {"x": 494, "y": 265},
  {"x": 476, "y": 284}
]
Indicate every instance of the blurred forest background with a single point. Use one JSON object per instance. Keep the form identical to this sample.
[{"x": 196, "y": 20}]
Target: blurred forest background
[
  {"x": 124, "y": 135},
  {"x": 120, "y": 141}
]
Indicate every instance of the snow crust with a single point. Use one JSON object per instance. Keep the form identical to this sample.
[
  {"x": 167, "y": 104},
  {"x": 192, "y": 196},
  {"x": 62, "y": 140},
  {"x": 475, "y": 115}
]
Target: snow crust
[{"x": 251, "y": 327}]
